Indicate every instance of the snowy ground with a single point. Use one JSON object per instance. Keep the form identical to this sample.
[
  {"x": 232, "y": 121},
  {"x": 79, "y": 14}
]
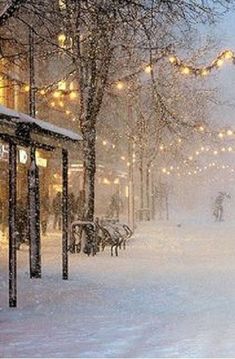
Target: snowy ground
[{"x": 170, "y": 294}]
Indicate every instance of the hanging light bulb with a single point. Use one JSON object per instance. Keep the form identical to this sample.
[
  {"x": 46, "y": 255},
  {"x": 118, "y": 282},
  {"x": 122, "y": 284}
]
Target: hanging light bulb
[
  {"x": 148, "y": 69},
  {"x": 228, "y": 54},
  {"x": 26, "y": 88},
  {"x": 56, "y": 94},
  {"x": 185, "y": 70},
  {"x": 172, "y": 59},
  {"x": 204, "y": 72},
  {"x": 73, "y": 95},
  {"x": 120, "y": 85},
  {"x": 219, "y": 62}
]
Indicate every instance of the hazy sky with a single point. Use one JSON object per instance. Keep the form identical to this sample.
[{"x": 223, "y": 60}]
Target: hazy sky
[{"x": 225, "y": 78}]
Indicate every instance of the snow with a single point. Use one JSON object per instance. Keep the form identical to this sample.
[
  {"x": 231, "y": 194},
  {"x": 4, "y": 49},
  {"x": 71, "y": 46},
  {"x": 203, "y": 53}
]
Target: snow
[
  {"x": 170, "y": 294},
  {"x": 46, "y": 126}
]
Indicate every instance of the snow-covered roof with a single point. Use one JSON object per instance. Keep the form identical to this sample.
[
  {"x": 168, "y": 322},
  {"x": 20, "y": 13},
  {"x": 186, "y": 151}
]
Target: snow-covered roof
[{"x": 19, "y": 117}]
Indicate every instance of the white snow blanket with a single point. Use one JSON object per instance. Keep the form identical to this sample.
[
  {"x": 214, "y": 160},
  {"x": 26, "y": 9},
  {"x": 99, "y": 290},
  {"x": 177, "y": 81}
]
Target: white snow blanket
[{"x": 170, "y": 294}]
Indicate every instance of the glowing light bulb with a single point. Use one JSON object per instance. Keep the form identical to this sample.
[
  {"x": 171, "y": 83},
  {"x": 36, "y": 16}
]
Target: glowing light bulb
[
  {"x": 120, "y": 85},
  {"x": 204, "y": 72},
  {"x": 104, "y": 143},
  {"x": 61, "y": 38},
  {"x": 161, "y": 147},
  {"x": 62, "y": 85},
  {"x": 230, "y": 149},
  {"x": 52, "y": 104},
  {"x": 148, "y": 69},
  {"x": 190, "y": 158},
  {"x": 185, "y": 70},
  {"x": 42, "y": 92},
  {"x": 172, "y": 59},
  {"x": 26, "y": 88},
  {"x": 215, "y": 152},
  {"x": 219, "y": 62},
  {"x": 201, "y": 128},
  {"x": 68, "y": 112},
  {"x": 229, "y": 132},
  {"x": 164, "y": 170},
  {"x": 220, "y": 135},
  {"x": 56, "y": 94},
  {"x": 123, "y": 158},
  {"x": 73, "y": 95},
  {"x": 228, "y": 54}
]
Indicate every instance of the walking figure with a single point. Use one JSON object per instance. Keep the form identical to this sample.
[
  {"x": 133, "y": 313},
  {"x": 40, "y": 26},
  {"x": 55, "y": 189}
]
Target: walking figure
[{"x": 218, "y": 206}]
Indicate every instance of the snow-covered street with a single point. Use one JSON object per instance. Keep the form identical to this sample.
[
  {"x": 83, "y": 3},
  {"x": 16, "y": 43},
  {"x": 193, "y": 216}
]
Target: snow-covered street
[{"x": 170, "y": 294}]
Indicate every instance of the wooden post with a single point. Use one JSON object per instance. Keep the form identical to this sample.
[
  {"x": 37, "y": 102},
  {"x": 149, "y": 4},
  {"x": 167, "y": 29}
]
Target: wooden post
[
  {"x": 32, "y": 92},
  {"x": 34, "y": 218},
  {"x": 12, "y": 227},
  {"x": 65, "y": 214}
]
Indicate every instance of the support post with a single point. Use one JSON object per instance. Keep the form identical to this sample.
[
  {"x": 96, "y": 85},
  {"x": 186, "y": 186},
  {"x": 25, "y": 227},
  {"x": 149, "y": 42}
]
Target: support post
[
  {"x": 65, "y": 214},
  {"x": 32, "y": 89},
  {"x": 34, "y": 218},
  {"x": 12, "y": 227}
]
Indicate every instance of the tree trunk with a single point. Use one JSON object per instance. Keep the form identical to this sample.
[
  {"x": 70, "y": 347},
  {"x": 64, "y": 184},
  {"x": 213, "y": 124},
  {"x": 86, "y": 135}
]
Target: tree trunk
[
  {"x": 89, "y": 157},
  {"x": 141, "y": 169},
  {"x": 148, "y": 190}
]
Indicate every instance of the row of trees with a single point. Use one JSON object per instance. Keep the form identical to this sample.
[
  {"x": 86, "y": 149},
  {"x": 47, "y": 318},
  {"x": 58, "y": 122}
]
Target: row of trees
[{"x": 110, "y": 41}]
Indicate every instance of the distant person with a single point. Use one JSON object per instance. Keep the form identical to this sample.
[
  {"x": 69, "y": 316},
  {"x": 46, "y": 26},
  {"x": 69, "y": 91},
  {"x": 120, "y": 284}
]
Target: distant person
[
  {"x": 218, "y": 206},
  {"x": 57, "y": 210}
]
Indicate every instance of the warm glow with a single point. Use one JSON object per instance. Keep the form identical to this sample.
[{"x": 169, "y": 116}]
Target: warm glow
[
  {"x": 62, "y": 85},
  {"x": 120, "y": 85},
  {"x": 116, "y": 181},
  {"x": 185, "y": 70},
  {"x": 164, "y": 170},
  {"x": 228, "y": 54},
  {"x": 56, "y": 94},
  {"x": 215, "y": 152},
  {"x": 61, "y": 38},
  {"x": 204, "y": 72},
  {"x": 229, "y": 132},
  {"x": 172, "y": 59},
  {"x": 123, "y": 158},
  {"x": 52, "y": 104},
  {"x": 73, "y": 95},
  {"x": 26, "y": 88},
  {"x": 220, "y": 135},
  {"x": 230, "y": 149},
  {"x": 219, "y": 62},
  {"x": 161, "y": 147},
  {"x": 190, "y": 158},
  {"x": 148, "y": 69},
  {"x": 104, "y": 143},
  {"x": 106, "y": 181},
  {"x": 61, "y": 103},
  {"x": 68, "y": 112},
  {"x": 201, "y": 128},
  {"x": 42, "y": 92}
]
